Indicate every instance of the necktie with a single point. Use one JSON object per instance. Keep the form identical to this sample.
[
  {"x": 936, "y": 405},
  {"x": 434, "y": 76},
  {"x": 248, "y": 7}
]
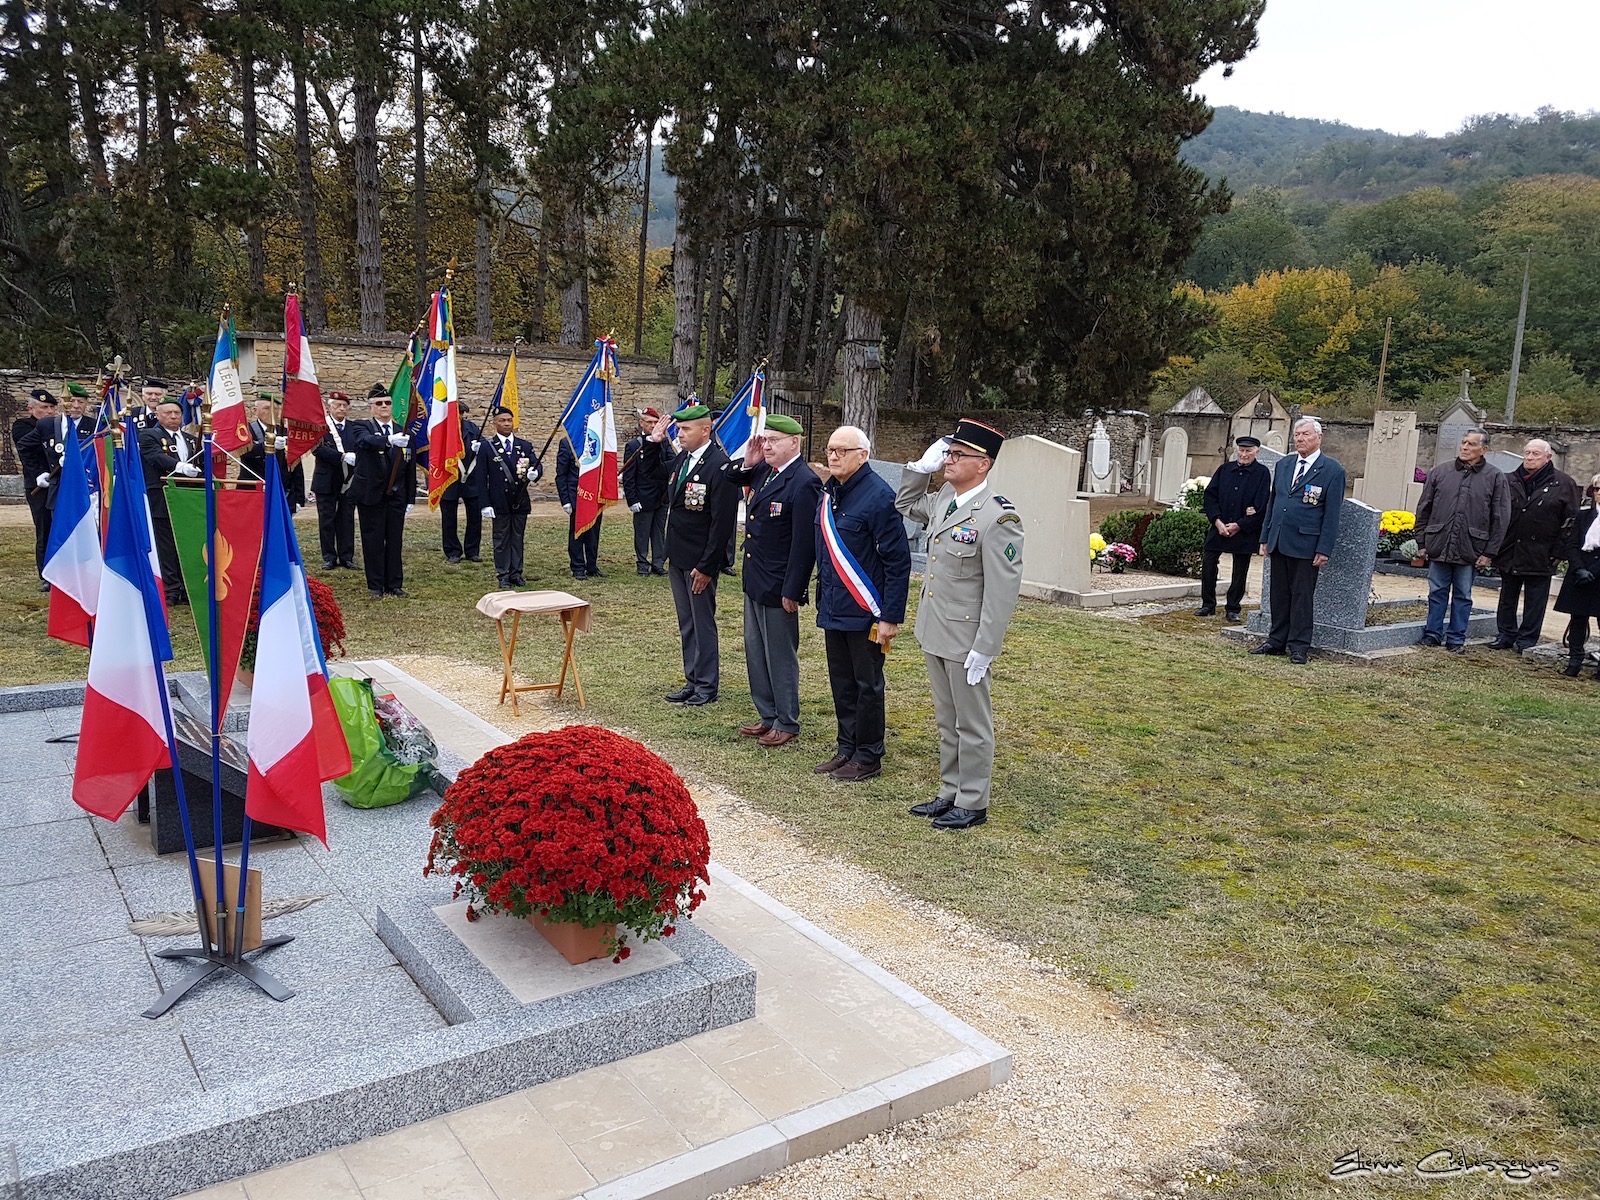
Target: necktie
[
  {"x": 386, "y": 430},
  {"x": 1299, "y": 474},
  {"x": 683, "y": 473},
  {"x": 951, "y": 509},
  {"x": 505, "y": 445}
]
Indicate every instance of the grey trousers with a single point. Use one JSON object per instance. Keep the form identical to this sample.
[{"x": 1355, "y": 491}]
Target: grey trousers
[
  {"x": 772, "y": 659},
  {"x": 965, "y": 716},
  {"x": 697, "y": 629}
]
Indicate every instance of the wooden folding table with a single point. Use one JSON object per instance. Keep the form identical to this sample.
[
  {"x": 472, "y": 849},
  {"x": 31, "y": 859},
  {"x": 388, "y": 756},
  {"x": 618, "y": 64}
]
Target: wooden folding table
[{"x": 571, "y": 611}]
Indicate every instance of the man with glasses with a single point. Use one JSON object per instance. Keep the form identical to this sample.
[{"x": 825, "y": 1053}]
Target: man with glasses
[
  {"x": 863, "y": 575},
  {"x": 779, "y": 550},
  {"x": 969, "y": 592},
  {"x": 702, "y": 505},
  {"x": 384, "y": 486}
]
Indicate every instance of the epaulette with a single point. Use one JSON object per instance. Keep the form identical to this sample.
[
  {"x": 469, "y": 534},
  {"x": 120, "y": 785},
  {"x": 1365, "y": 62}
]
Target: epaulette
[{"x": 1004, "y": 503}]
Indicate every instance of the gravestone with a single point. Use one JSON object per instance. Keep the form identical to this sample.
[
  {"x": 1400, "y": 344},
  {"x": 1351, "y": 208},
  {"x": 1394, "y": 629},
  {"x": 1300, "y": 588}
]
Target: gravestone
[
  {"x": 1037, "y": 476},
  {"x": 1263, "y": 414},
  {"x": 1141, "y": 464},
  {"x": 915, "y": 534},
  {"x": 1454, "y": 422},
  {"x": 1099, "y": 473},
  {"x": 1391, "y": 463},
  {"x": 1504, "y": 459},
  {"x": 1275, "y": 439},
  {"x": 1171, "y": 465}
]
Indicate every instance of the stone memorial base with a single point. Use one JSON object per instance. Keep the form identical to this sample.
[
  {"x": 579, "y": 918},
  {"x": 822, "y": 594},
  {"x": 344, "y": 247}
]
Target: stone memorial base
[{"x": 1367, "y": 644}]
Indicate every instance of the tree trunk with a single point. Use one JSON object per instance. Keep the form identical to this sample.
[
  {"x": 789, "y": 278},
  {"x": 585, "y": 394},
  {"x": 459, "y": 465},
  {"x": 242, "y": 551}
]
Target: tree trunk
[
  {"x": 808, "y": 314},
  {"x": 254, "y": 235},
  {"x": 714, "y": 285},
  {"x": 541, "y": 279},
  {"x": 483, "y": 295},
  {"x": 575, "y": 295},
  {"x": 741, "y": 300},
  {"x": 369, "y": 208},
  {"x": 822, "y": 335},
  {"x": 898, "y": 393},
  {"x": 419, "y": 166},
  {"x": 953, "y": 388},
  {"x": 125, "y": 307},
  {"x": 311, "y": 287},
  {"x": 863, "y": 331},
  {"x": 685, "y": 309}
]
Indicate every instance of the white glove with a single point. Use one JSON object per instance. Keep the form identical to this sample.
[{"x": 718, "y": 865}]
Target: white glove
[
  {"x": 635, "y": 508},
  {"x": 280, "y": 442},
  {"x": 568, "y": 509},
  {"x": 187, "y": 470},
  {"x": 488, "y": 511},
  {"x": 976, "y": 665},
  {"x": 475, "y": 446},
  {"x": 43, "y": 480},
  {"x": 399, "y": 439},
  {"x": 349, "y": 458},
  {"x": 932, "y": 458},
  {"x": 409, "y": 507}
]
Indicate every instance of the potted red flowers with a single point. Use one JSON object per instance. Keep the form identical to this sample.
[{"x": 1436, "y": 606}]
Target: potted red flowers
[{"x": 579, "y": 830}]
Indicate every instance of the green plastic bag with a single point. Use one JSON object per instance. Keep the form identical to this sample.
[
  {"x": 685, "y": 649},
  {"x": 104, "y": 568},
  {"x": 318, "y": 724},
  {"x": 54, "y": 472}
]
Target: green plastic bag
[{"x": 377, "y": 777}]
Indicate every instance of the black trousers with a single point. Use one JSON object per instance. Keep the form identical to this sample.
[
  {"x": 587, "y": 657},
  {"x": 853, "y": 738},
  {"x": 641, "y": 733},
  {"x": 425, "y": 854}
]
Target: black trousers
[
  {"x": 1577, "y": 637},
  {"x": 1294, "y": 588},
  {"x": 39, "y": 509},
  {"x": 650, "y": 537},
  {"x": 1534, "y": 591},
  {"x": 336, "y": 529},
  {"x": 1209, "y": 561},
  {"x": 449, "y": 501},
  {"x": 509, "y": 533},
  {"x": 855, "y": 672},
  {"x": 382, "y": 532},
  {"x": 583, "y": 550},
  {"x": 167, "y": 550}
]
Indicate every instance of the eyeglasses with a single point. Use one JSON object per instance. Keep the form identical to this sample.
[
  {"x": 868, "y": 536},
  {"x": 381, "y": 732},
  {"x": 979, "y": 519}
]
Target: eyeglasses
[
  {"x": 832, "y": 451},
  {"x": 958, "y": 455}
]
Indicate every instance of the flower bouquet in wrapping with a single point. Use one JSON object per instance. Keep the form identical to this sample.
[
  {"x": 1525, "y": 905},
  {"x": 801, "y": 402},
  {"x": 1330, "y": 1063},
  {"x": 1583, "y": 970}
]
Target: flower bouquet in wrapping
[{"x": 577, "y": 825}]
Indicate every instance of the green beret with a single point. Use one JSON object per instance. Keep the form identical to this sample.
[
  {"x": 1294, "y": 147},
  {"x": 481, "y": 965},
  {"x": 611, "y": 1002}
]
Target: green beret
[
  {"x": 695, "y": 412},
  {"x": 77, "y": 389},
  {"x": 779, "y": 423},
  {"x": 268, "y": 396}
]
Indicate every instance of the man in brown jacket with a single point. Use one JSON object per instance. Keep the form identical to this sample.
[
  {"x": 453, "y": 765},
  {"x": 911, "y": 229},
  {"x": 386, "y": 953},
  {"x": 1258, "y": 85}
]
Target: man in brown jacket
[
  {"x": 1543, "y": 504},
  {"x": 1462, "y": 518}
]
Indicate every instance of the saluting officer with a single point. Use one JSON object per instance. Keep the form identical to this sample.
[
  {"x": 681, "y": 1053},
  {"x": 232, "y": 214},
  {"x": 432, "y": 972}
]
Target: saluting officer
[
  {"x": 167, "y": 451},
  {"x": 703, "y": 505},
  {"x": 1236, "y": 505},
  {"x": 969, "y": 591},
  {"x": 780, "y": 548}
]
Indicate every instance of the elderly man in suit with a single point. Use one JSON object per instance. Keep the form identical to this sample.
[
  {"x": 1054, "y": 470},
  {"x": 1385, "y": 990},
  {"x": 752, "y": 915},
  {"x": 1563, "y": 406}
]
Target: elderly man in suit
[
  {"x": 384, "y": 487},
  {"x": 167, "y": 451},
  {"x": 1301, "y": 529},
  {"x": 969, "y": 592},
  {"x": 505, "y": 468},
  {"x": 779, "y": 551},
  {"x": 645, "y": 466}
]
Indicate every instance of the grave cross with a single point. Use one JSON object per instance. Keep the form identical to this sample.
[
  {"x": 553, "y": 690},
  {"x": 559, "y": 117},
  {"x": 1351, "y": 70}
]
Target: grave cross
[{"x": 1466, "y": 378}]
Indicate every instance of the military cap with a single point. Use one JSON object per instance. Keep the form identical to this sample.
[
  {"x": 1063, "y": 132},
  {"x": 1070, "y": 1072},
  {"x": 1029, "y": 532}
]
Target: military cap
[
  {"x": 78, "y": 390},
  {"x": 694, "y": 412},
  {"x": 268, "y": 396},
  {"x": 1246, "y": 442},
  {"x": 338, "y": 396},
  {"x": 985, "y": 439},
  {"x": 152, "y": 381},
  {"x": 378, "y": 389},
  {"x": 42, "y": 396},
  {"x": 779, "y": 423}
]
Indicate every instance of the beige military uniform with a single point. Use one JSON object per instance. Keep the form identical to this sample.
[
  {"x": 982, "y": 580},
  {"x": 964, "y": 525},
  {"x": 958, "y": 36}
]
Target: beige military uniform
[{"x": 969, "y": 591}]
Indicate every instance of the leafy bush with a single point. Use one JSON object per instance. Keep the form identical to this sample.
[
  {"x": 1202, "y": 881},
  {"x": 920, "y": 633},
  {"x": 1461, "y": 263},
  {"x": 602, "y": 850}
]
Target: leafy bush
[
  {"x": 1123, "y": 527},
  {"x": 1173, "y": 542}
]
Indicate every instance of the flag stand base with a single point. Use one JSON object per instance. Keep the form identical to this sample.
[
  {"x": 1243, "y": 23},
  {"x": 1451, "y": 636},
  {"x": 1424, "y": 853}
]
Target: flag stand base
[{"x": 212, "y": 961}]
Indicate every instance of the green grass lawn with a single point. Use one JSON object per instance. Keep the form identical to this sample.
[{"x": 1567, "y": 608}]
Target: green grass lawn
[{"x": 1371, "y": 891}]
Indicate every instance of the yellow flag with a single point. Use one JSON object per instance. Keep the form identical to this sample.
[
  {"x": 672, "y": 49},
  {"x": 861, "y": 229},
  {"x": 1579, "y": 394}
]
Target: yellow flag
[{"x": 505, "y": 395}]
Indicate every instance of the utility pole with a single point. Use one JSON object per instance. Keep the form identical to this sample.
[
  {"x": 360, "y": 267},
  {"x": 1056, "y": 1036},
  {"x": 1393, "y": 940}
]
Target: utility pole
[
  {"x": 1516, "y": 350},
  {"x": 644, "y": 244}
]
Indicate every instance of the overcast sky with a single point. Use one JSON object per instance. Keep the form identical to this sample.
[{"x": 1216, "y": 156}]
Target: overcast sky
[{"x": 1412, "y": 66}]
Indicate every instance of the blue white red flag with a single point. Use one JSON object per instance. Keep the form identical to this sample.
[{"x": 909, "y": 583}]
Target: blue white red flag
[
  {"x": 590, "y": 426},
  {"x": 303, "y": 414},
  {"x": 230, "y": 424},
  {"x": 73, "y": 560},
  {"x": 855, "y": 580},
  {"x": 443, "y": 438},
  {"x": 745, "y": 417},
  {"x": 295, "y": 740},
  {"x": 123, "y": 738}
]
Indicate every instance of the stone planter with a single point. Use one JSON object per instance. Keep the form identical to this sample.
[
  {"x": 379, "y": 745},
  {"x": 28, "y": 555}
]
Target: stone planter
[{"x": 577, "y": 944}]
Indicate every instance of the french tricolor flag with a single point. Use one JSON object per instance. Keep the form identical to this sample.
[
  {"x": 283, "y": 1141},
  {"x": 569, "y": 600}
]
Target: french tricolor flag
[
  {"x": 73, "y": 561},
  {"x": 295, "y": 741},
  {"x": 303, "y": 414},
  {"x": 123, "y": 738}
]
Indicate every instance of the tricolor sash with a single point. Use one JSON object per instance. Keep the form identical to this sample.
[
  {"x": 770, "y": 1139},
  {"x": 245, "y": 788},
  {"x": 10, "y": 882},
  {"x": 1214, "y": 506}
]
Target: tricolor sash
[{"x": 844, "y": 564}]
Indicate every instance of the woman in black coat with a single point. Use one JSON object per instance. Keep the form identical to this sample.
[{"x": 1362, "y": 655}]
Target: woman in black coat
[{"x": 1580, "y": 590}]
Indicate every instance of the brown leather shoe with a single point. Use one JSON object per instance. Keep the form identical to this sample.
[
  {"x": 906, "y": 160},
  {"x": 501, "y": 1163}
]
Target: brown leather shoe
[
  {"x": 855, "y": 772},
  {"x": 755, "y": 730},
  {"x": 773, "y": 738},
  {"x": 832, "y": 765}
]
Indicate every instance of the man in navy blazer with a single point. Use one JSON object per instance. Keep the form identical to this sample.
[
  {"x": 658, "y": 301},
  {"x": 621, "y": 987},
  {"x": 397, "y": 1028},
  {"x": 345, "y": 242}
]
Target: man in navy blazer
[
  {"x": 1302, "y": 527},
  {"x": 503, "y": 471},
  {"x": 780, "y": 549}
]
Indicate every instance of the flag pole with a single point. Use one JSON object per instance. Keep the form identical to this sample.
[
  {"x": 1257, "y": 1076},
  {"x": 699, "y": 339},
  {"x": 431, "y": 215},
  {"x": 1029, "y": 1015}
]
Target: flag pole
[{"x": 561, "y": 421}]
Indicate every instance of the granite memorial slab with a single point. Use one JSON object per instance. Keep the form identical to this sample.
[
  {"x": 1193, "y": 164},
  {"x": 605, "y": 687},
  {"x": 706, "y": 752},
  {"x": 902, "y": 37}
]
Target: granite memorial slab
[
  {"x": 1389, "y": 482},
  {"x": 1038, "y": 476}
]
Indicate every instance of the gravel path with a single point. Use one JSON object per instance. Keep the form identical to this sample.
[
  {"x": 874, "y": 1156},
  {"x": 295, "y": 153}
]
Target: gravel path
[{"x": 1100, "y": 1105}]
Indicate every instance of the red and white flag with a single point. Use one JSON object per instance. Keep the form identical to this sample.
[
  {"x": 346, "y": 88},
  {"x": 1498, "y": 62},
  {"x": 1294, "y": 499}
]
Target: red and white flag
[
  {"x": 303, "y": 414},
  {"x": 73, "y": 561},
  {"x": 445, "y": 448},
  {"x": 123, "y": 738},
  {"x": 295, "y": 740}
]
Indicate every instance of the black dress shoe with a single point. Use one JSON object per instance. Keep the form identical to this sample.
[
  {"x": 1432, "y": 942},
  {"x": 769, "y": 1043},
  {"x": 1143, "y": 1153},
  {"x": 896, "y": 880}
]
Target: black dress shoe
[
  {"x": 580, "y": 574},
  {"x": 398, "y": 593},
  {"x": 1233, "y": 618},
  {"x": 644, "y": 570},
  {"x": 1269, "y": 648},
  {"x": 1573, "y": 668},
  {"x": 597, "y": 572},
  {"x": 474, "y": 558},
  {"x": 44, "y": 585},
  {"x": 658, "y": 570},
  {"x": 1205, "y": 611},
  {"x": 375, "y": 593},
  {"x": 961, "y": 818},
  {"x": 449, "y": 559},
  {"x": 700, "y": 699},
  {"x": 329, "y": 565},
  {"x": 1501, "y": 643},
  {"x": 931, "y": 808},
  {"x": 679, "y": 696},
  {"x": 1298, "y": 658},
  {"x": 348, "y": 566}
]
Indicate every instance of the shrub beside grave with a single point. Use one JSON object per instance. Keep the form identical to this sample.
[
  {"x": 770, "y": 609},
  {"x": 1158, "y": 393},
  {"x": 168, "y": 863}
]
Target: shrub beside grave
[{"x": 1173, "y": 543}]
